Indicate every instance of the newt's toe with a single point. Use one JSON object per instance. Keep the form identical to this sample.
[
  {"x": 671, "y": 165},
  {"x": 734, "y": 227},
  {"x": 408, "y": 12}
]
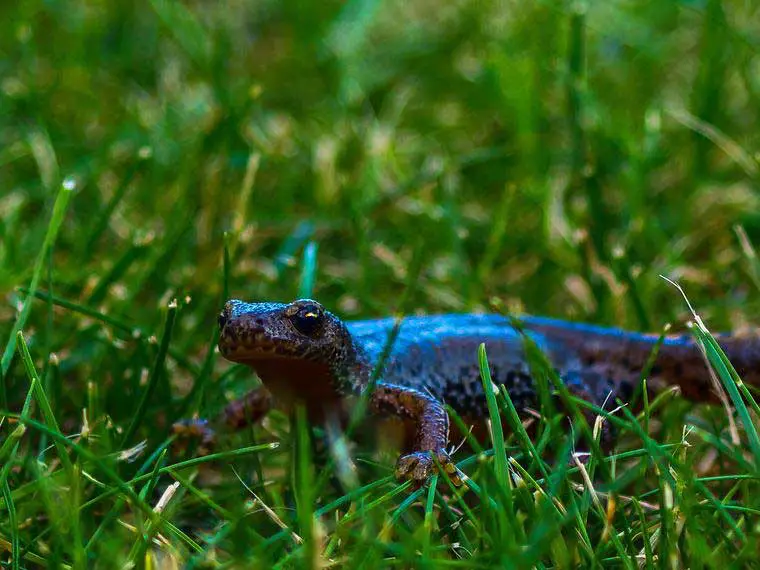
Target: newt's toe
[
  {"x": 421, "y": 465},
  {"x": 197, "y": 431}
]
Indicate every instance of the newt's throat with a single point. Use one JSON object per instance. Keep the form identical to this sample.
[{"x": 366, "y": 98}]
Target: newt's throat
[{"x": 294, "y": 380}]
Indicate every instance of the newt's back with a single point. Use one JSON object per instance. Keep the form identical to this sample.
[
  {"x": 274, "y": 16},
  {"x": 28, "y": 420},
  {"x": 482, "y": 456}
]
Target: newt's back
[{"x": 438, "y": 354}]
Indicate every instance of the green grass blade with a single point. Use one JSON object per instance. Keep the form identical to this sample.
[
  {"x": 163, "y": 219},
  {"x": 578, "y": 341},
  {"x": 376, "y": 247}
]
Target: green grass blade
[
  {"x": 119, "y": 485},
  {"x": 303, "y": 472},
  {"x": 497, "y": 435},
  {"x": 517, "y": 427},
  {"x": 13, "y": 524},
  {"x": 39, "y": 395},
  {"x": 132, "y": 331},
  {"x": 100, "y": 225},
  {"x": 429, "y": 521},
  {"x": 728, "y": 376},
  {"x": 115, "y": 510},
  {"x": 121, "y": 265},
  {"x": 155, "y": 375},
  {"x": 85, "y": 311},
  {"x": 170, "y": 469},
  {"x": 308, "y": 271},
  {"x": 56, "y": 219}
]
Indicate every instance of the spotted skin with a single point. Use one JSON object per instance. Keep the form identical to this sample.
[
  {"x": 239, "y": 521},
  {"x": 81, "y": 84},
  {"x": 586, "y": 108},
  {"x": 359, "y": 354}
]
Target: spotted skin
[{"x": 302, "y": 352}]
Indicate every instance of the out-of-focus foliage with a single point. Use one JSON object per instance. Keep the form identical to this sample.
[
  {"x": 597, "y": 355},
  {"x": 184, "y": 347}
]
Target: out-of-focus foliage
[{"x": 526, "y": 146}]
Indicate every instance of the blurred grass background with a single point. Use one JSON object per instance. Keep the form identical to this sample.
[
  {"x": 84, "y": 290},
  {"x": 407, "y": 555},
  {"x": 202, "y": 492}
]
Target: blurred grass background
[{"x": 558, "y": 156}]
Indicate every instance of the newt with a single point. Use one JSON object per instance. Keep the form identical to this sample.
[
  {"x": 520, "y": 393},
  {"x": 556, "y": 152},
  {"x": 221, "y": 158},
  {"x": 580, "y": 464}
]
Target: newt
[{"x": 302, "y": 352}]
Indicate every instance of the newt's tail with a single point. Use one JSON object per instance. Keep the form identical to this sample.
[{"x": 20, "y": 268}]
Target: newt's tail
[
  {"x": 623, "y": 355},
  {"x": 681, "y": 361}
]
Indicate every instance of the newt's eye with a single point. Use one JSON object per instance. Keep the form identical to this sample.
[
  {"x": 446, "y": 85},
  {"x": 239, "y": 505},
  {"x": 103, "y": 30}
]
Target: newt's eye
[{"x": 309, "y": 319}]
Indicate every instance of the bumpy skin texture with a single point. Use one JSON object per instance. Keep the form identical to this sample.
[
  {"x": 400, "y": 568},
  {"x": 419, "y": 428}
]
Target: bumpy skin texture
[{"x": 302, "y": 352}]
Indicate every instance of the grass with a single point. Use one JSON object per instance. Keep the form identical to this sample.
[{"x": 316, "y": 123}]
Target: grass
[{"x": 548, "y": 157}]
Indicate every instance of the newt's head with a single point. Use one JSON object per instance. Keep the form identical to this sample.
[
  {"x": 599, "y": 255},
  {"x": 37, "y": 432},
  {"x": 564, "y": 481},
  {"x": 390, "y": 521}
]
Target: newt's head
[
  {"x": 301, "y": 330},
  {"x": 297, "y": 346}
]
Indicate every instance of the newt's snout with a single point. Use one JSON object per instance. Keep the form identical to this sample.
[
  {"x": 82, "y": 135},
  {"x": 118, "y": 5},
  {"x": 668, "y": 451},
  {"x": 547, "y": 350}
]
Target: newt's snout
[{"x": 247, "y": 335}]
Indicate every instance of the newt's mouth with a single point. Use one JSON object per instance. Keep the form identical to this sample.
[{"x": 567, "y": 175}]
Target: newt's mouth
[{"x": 248, "y": 346}]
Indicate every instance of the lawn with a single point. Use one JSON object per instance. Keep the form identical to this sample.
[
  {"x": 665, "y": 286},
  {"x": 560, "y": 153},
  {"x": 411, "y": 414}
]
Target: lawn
[{"x": 551, "y": 158}]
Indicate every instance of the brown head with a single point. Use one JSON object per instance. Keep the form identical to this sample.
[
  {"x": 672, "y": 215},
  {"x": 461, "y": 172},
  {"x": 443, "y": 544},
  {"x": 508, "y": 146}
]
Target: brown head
[{"x": 298, "y": 348}]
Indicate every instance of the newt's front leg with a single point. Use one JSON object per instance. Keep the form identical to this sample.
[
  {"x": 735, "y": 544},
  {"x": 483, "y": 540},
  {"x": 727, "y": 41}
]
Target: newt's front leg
[
  {"x": 248, "y": 410},
  {"x": 432, "y": 431}
]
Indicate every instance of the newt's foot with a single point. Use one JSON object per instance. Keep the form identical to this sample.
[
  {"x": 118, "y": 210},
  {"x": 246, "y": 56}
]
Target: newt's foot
[
  {"x": 421, "y": 465},
  {"x": 196, "y": 431}
]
